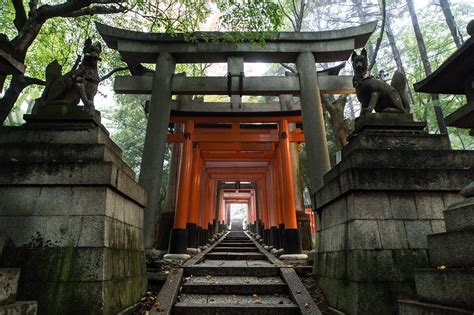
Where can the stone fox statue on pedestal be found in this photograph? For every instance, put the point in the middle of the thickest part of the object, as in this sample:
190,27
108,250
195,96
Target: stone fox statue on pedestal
374,94
76,85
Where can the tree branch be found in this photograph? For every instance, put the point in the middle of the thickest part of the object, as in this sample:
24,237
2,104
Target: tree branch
379,40
291,69
108,75
95,10
33,81
33,4
287,15
74,8
20,14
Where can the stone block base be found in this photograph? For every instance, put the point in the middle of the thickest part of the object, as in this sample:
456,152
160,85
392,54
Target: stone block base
453,287
422,308
73,216
8,284
19,308
352,297
377,207
453,249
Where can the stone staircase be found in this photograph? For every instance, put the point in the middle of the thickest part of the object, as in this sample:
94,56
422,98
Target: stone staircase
9,278
448,287
237,278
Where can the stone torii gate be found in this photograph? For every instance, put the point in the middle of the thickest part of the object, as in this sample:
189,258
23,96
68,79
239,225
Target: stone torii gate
165,50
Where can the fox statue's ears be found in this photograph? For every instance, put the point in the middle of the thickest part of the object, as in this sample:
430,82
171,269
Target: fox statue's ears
354,54
362,53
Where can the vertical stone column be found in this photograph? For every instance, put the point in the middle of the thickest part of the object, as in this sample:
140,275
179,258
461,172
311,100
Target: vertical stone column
313,120
193,214
166,217
155,142
235,65
179,234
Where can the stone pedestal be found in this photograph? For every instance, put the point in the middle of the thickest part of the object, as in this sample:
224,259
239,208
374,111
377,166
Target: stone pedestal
378,205
73,216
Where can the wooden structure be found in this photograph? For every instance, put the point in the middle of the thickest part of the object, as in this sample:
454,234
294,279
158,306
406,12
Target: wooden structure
218,147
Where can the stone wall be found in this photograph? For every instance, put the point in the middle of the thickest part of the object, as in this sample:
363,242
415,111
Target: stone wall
376,208
73,215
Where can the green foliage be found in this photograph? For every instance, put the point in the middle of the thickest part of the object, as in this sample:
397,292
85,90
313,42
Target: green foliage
128,124
250,19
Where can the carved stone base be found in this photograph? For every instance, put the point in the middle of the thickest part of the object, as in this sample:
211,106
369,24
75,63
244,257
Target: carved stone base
58,115
378,205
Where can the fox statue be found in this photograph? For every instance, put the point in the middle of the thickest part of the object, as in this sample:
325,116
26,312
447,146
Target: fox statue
375,94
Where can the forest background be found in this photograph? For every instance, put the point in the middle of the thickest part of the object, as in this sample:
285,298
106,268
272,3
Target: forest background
418,36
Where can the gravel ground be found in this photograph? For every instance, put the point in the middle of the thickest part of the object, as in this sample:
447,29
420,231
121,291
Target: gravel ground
316,293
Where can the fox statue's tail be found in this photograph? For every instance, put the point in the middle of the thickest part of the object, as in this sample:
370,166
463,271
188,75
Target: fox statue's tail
399,83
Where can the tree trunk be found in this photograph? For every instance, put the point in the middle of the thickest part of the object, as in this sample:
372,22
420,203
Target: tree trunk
457,37
359,6
426,63
12,93
393,45
395,51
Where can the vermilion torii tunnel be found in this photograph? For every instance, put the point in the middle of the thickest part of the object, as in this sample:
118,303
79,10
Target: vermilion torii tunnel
238,148
222,143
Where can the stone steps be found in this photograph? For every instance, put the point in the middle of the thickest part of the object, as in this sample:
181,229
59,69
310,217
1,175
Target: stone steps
234,285
234,256
233,271
452,249
414,307
236,278
225,244
9,278
235,249
453,287
459,216
20,308
235,304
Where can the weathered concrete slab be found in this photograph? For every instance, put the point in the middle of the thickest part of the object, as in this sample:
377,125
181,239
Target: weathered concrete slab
168,293
218,85
235,249
20,308
454,287
299,293
234,288
60,173
8,284
262,271
258,309
453,249
47,152
413,307
235,256
460,215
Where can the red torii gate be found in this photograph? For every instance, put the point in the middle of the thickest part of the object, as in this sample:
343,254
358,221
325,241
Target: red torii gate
228,148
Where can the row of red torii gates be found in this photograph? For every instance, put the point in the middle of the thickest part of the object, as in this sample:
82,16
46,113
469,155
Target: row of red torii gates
222,149
221,146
